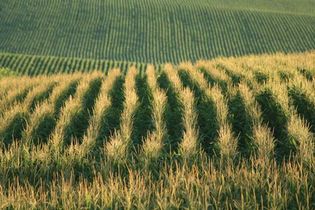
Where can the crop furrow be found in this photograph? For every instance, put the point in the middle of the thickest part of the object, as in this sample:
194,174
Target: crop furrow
43,120
70,127
64,96
307,73
189,145
303,99
173,114
92,138
207,120
214,76
292,134
118,147
14,96
12,125
236,77
143,123
242,123
15,119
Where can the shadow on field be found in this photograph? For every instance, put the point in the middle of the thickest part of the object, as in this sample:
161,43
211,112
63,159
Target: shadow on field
43,130
41,97
285,76
242,125
207,116
307,74
47,123
80,122
15,129
111,119
19,98
304,106
212,81
261,77
60,102
143,122
277,120
173,115
236,78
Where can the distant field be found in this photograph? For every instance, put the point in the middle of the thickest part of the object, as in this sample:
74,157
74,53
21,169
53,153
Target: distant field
22,64
229,133
155,31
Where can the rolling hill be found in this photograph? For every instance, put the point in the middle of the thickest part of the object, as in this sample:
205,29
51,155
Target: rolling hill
155,32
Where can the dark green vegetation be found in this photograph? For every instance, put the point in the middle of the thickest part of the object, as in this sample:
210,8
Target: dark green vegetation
151,31
173,114
304,105
277,119
21,64
14,129
143,122
241,124
207,121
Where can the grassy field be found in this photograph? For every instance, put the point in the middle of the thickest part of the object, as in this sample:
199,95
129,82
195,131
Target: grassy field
229,133
155,31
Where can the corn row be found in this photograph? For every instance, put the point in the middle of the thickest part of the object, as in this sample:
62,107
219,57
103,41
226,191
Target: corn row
154,143
119,144
189,145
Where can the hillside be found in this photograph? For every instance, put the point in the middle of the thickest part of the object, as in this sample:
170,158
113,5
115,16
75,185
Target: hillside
228,133
156,32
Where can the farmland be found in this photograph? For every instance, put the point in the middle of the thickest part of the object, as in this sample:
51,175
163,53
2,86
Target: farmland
228,133
157,104
33,65
148,31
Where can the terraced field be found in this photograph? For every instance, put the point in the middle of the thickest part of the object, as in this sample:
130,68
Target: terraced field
155,31
229,133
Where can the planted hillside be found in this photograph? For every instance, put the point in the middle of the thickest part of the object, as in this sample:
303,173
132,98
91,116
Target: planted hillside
154,31
229,133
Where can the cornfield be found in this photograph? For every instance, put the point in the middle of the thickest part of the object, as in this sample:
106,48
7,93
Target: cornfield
229,133
155,31
34,65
